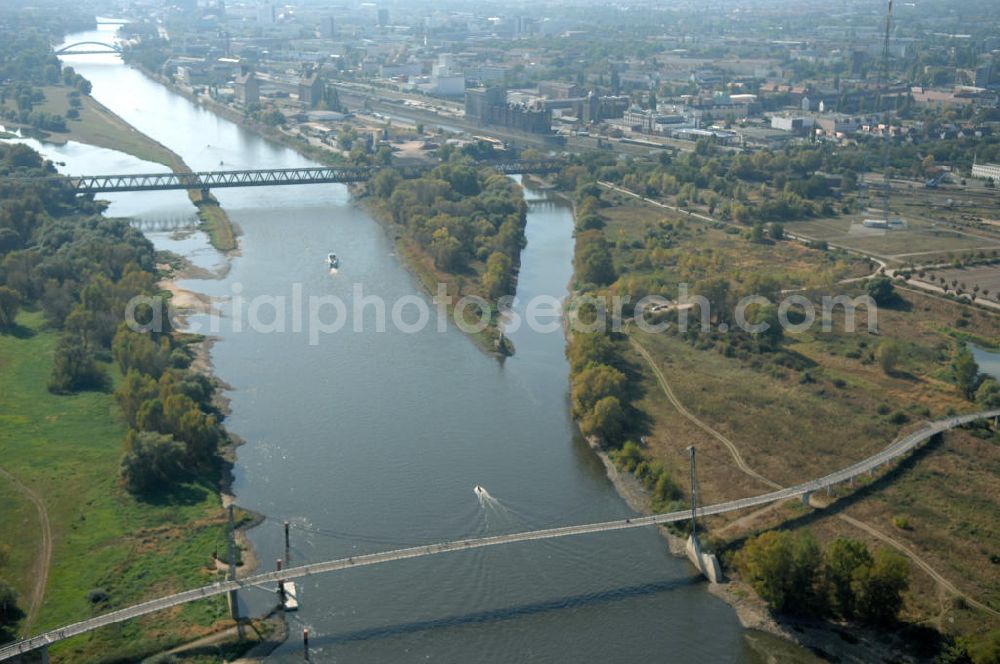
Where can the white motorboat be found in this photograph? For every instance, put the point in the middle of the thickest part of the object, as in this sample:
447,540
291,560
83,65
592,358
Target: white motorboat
332,260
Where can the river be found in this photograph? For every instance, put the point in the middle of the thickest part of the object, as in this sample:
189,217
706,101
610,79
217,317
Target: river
373,440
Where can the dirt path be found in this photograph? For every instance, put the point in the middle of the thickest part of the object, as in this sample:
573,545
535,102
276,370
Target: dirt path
730,445
44,558
944,583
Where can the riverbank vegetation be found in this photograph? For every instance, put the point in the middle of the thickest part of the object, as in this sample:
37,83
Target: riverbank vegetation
53,103
779,407
460,225
108,426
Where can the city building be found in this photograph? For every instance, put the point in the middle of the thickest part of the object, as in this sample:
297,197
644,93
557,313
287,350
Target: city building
265,12
986,171
311,89
246,88
489,107
560,90
327,28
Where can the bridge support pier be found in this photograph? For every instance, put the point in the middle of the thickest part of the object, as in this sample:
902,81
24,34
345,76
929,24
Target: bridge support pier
44,651
805,498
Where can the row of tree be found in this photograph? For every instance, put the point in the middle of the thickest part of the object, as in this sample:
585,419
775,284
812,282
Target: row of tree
85,272
794,575
469,218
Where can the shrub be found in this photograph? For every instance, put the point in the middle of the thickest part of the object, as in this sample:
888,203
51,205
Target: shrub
75,368
151,461
10,613
97,595
783,568
10,304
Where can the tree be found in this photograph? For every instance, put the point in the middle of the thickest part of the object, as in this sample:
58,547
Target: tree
606,420
134,350
757,233
783,569
135,389
385,182
446,249
151,461
767,317
966,372
593,259
878,588
594,383
10,304
590,348
881,290
840,562
75,368
988,394
985,649
497,278
887,355
777,231
9,611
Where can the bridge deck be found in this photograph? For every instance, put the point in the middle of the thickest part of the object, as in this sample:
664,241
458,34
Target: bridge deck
893,451
270,177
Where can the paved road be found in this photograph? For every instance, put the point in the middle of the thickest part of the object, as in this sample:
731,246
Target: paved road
893,451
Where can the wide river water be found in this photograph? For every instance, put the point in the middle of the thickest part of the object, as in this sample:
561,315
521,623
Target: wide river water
374,440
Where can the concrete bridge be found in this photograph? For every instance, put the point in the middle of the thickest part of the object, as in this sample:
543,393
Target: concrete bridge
272,177
893,451
94,48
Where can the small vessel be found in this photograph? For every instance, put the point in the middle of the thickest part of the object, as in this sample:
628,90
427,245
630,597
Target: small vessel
332,260
479,490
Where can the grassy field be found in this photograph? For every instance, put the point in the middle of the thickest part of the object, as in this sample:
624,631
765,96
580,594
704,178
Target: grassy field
701,245
920,242
819,404
99,126
67,449
986,277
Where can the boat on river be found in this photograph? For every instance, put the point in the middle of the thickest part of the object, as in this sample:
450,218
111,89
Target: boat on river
332,260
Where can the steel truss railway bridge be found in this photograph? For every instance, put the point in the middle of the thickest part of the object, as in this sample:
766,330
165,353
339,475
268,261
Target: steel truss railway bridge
895,450
271,177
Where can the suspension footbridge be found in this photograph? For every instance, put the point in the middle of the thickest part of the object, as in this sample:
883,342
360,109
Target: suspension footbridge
893,451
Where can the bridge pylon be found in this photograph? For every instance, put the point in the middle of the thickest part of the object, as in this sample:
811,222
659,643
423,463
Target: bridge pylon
234,603
706,563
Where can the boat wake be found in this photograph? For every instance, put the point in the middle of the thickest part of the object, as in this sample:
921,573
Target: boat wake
490,505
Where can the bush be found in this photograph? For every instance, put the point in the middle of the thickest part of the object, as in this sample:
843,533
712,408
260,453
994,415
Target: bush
628,457
887,355
879,588
10,613
98,595
10,304
783,568
152,461
75,368
881,290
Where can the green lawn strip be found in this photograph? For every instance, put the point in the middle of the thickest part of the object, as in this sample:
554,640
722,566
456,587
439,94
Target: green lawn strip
67,448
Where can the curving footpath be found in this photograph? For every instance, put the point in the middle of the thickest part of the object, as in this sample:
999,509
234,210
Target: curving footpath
44,559
893,451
